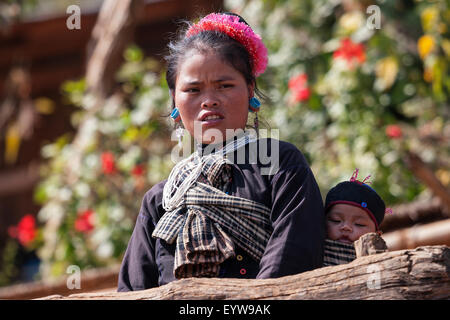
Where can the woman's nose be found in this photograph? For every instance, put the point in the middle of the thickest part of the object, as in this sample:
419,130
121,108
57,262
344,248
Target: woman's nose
209,104
210,101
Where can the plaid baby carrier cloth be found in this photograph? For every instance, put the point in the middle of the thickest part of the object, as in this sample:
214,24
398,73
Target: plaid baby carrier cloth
336,252
206,222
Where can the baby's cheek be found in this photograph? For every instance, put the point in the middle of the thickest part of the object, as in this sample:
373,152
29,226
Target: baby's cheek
332,232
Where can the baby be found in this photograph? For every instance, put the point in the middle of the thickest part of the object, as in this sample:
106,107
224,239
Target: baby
352,209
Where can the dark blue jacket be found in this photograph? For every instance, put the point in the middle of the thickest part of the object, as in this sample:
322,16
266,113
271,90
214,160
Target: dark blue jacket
297,219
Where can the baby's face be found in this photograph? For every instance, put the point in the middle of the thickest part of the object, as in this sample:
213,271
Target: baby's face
346,223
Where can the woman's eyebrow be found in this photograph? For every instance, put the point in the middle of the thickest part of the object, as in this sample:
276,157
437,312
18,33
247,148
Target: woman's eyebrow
224,78
192,83
220,79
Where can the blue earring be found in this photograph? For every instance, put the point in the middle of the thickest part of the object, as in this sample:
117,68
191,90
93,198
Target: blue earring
254,104
175,115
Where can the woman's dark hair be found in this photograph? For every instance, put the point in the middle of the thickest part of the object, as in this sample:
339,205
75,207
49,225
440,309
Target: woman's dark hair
230,50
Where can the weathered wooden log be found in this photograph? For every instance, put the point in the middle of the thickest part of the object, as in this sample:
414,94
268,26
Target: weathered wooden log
421,170
368,244
422,273
436,233
90,281
419,211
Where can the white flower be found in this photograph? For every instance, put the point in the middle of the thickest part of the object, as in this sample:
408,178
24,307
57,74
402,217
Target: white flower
105,250
52,210
49,150
145,107
389,158
112,107
117,213
100,235
110,126
64,194
149,80
82,189
87,131
336,109
88,101
127,160
92,161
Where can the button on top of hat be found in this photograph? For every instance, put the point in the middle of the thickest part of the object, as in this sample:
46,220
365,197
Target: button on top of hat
243,271
363,204
239,257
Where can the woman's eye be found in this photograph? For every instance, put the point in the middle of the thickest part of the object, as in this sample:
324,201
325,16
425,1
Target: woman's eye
225,85
191,90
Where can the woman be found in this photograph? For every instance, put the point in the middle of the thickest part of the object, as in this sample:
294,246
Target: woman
216,217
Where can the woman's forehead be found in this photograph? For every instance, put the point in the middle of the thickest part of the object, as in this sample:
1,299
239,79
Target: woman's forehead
209,64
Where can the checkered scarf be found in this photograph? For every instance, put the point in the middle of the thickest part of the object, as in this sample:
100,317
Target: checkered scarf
336,252
209,222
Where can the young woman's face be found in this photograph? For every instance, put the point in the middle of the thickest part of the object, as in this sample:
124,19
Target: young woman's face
346,223
211,96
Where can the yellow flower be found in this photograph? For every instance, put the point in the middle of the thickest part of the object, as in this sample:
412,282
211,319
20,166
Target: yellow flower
44,105
425,45
386,70
12,143
446,47
429,18
351,21
443,176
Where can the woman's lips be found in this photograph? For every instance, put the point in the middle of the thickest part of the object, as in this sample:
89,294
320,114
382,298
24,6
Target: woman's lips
211,114
217,118
211,122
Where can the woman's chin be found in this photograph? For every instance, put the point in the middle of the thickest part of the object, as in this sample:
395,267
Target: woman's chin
218,135
212,137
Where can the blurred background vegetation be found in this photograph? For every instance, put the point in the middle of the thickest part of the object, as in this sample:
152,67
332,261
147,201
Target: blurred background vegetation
351,87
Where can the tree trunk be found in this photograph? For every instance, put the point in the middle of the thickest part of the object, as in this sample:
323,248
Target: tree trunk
420,211
423,273
112,33
436,233
427,176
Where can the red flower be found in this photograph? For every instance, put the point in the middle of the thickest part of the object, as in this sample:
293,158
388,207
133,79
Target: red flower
299,87
84,221
138,170
108,165
352,52
393,131
25,231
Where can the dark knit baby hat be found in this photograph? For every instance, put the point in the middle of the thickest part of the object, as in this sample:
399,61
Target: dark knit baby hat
358,194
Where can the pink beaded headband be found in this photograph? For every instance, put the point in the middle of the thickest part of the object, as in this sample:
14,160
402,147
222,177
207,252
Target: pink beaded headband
239,31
